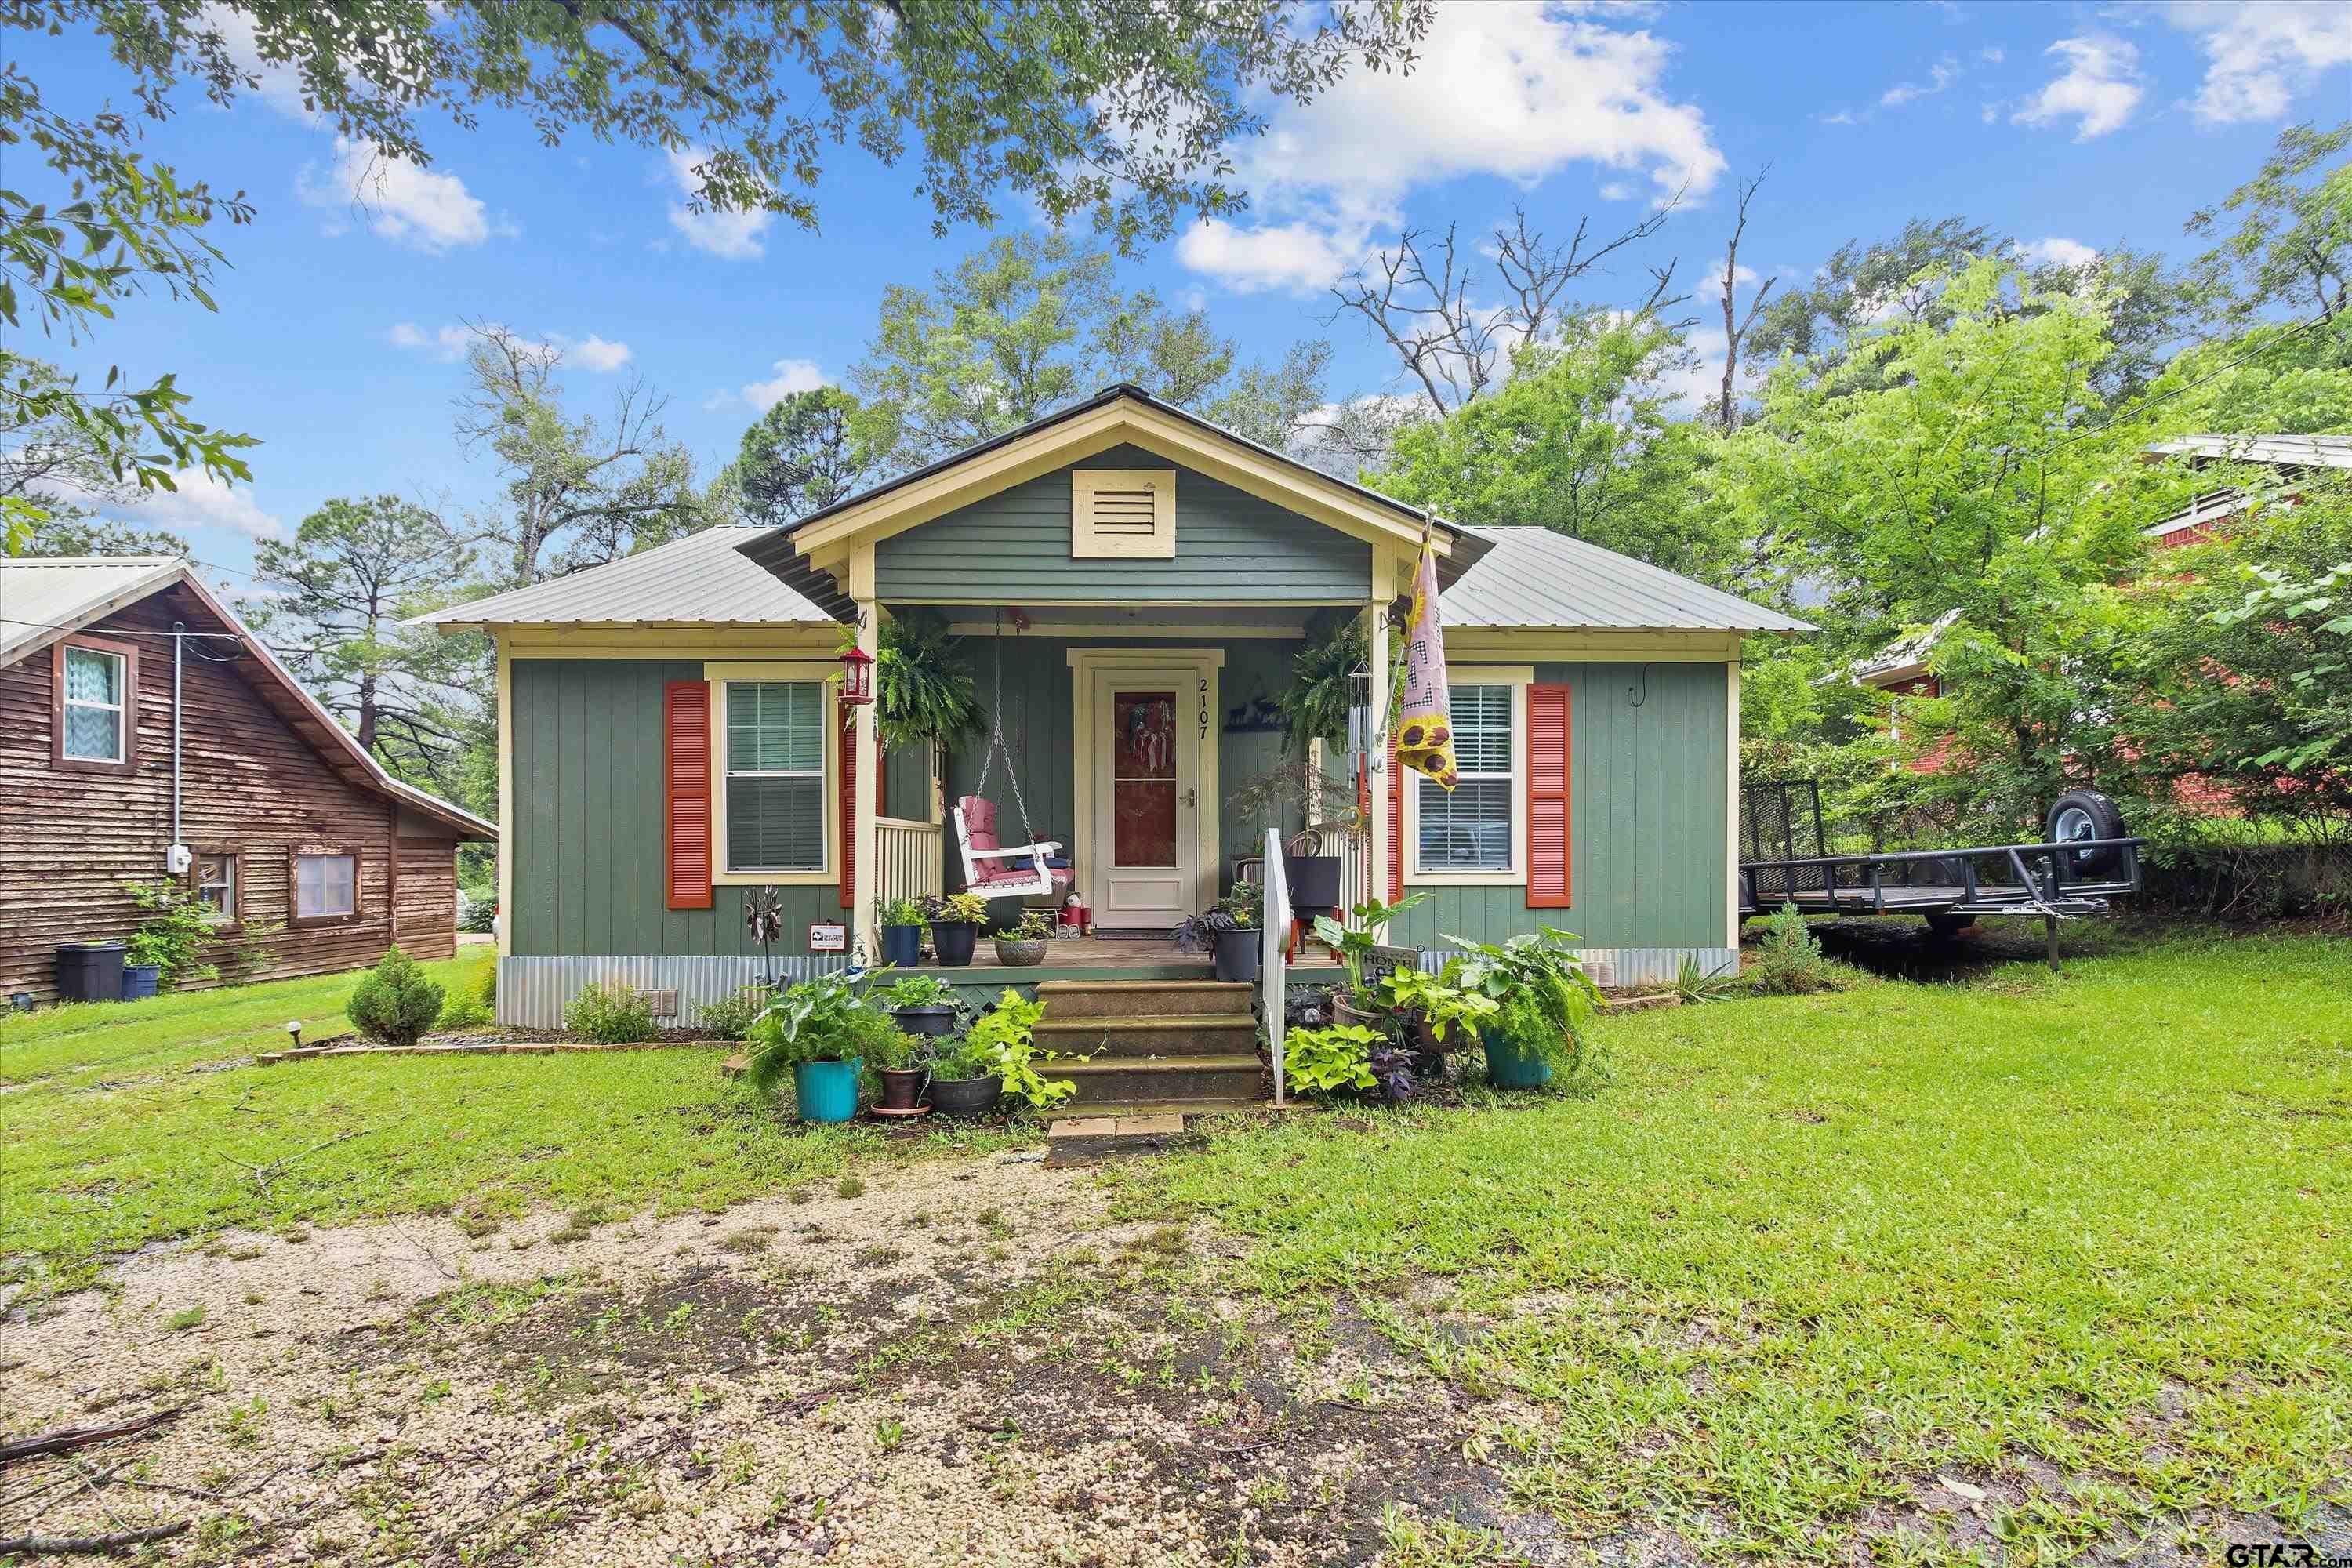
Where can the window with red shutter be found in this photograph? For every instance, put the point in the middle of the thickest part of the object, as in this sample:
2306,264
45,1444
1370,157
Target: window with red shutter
1548,797
686,744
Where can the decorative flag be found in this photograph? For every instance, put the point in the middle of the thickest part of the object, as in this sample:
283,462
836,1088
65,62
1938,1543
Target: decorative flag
1424,734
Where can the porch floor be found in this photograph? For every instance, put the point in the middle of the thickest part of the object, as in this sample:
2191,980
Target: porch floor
1107,958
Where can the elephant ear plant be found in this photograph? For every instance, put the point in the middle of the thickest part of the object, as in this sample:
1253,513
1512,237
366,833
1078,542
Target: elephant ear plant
1546,1002
822,1019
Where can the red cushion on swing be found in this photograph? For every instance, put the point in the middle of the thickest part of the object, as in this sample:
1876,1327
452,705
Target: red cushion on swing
979,822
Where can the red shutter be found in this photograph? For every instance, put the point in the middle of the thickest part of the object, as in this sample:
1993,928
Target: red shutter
848,717
686,744
1548,805
1396,823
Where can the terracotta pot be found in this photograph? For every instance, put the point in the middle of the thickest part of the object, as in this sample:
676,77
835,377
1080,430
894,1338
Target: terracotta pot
1344,1011
902,1088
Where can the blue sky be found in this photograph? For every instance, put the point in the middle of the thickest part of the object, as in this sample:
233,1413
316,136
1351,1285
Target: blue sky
2072,127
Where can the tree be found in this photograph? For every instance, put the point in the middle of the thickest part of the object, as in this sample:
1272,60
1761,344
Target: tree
1030,324
2293,245
1736,326
1584,439
800,457
353,571
590,491
1427,300
56,475
1863,285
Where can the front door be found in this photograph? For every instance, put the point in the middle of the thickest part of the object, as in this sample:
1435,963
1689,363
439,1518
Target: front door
1146,795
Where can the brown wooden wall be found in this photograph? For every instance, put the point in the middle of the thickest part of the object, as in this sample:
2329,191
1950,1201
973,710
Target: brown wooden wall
249,783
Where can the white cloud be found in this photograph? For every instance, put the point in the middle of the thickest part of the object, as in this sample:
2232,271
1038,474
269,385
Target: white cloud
2099,89
279,84
200,501
591,353
404,203
1940,75
733,236
2058,251
1616,191
443,343
792,375
448,344
1518,91
1992,55
2260,55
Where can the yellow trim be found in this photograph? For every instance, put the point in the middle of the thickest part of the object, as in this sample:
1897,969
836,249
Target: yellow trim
701,640
1115,424
719,675
1206,664
1141,629
505,923
1731,815
1516,677
1597,646
1087,544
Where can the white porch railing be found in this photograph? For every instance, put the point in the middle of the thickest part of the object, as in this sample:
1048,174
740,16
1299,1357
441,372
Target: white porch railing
907,859
1274,945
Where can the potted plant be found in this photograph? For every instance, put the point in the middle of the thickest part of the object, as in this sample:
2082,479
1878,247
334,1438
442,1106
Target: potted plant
922,1004
1231,929
1544,1002
1353,944
1431,1011
901,921
955,922
144,953
1007,1033
897,1058
822,1029
964,1077
1024,944
1293,788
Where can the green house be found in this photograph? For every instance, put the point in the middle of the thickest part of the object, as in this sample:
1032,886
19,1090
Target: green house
1131,586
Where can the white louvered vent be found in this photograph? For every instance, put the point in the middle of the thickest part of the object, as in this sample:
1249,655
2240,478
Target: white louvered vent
1123,512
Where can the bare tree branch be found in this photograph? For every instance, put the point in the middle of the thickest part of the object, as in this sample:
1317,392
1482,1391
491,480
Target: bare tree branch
1727,409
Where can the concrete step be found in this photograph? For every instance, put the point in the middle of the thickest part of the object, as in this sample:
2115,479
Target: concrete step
1066,999
1145,1080
1151,1035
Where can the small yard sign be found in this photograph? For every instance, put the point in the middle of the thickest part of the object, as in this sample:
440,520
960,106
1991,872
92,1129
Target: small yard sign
828,936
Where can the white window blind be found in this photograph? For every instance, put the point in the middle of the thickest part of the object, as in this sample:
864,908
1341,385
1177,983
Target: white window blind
1470,829
775,775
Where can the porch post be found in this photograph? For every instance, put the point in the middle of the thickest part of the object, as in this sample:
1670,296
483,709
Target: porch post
1376,649
865,837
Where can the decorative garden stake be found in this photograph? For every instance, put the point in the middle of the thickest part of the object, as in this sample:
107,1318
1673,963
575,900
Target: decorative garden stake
763,917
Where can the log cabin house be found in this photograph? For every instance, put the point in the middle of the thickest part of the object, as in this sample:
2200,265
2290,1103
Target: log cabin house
145,734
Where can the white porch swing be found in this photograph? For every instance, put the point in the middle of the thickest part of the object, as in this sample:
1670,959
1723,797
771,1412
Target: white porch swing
991,869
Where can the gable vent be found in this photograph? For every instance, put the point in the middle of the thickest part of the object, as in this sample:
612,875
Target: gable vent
1118,513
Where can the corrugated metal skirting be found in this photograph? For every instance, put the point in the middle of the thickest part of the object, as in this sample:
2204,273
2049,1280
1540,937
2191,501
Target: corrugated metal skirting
533,992
1626,966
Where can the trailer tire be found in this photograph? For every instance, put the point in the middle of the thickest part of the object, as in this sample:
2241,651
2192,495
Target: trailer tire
1948,925
2086,814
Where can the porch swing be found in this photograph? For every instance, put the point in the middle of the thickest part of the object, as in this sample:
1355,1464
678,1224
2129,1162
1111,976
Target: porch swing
993,869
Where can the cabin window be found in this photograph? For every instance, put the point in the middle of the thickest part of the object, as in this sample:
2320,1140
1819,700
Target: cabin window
1470,829
215,879
1123,513
326,887
776,805
97,714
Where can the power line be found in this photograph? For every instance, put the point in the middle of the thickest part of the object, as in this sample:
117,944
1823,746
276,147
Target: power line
2137,410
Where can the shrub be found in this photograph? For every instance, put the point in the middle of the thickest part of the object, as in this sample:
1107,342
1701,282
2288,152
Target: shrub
462,1011
1325,1060
395,1003
177,926
957,908
612,1012
731,1017
478,915
1003,1038
1789,958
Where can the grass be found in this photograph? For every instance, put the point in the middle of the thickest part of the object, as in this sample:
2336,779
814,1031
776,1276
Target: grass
2083,1242
126,1126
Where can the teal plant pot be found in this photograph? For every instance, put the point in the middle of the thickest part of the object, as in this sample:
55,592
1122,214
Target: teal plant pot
1507,1066
826,1092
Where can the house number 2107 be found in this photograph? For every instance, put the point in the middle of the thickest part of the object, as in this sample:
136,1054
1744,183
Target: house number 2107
1201,705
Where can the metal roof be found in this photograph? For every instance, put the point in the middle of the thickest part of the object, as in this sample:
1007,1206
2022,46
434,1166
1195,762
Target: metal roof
1533,579
43,599
699,579
2288,451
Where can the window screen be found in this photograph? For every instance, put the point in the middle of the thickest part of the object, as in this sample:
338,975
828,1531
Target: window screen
1470,829
775,775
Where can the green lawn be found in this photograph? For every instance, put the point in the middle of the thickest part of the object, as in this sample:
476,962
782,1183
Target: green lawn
118,1126
1801,1257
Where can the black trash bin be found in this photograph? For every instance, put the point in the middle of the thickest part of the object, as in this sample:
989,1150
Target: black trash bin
90,971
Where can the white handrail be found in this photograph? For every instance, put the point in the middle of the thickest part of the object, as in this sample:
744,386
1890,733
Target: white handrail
1273,938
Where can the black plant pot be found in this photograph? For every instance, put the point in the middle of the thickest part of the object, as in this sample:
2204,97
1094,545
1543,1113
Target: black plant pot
902,946
966,1096
930,1023
1314,882
954,941
1237,953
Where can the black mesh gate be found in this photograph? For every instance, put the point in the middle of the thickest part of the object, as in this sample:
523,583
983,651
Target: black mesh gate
1780,819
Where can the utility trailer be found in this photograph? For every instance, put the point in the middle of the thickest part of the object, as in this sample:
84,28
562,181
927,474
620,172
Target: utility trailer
2085,863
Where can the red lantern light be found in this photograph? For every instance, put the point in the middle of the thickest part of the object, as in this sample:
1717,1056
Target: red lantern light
856,675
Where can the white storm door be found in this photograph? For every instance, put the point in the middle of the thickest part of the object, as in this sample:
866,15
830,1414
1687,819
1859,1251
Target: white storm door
1147,798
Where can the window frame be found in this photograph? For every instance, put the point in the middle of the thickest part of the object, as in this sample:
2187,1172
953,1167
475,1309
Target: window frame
128,652
234,919
295,855
826,676
1517,678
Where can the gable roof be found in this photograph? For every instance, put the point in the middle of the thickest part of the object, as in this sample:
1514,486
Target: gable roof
42,600
699,580
1533,579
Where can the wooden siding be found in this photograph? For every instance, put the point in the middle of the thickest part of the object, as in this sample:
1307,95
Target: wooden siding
249,784
1231,548
587,838
1649,783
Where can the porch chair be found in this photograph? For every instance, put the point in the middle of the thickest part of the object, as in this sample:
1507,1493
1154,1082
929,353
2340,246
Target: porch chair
994,871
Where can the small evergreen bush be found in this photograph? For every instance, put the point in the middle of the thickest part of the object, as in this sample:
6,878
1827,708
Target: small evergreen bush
611,1012
395,1003
731,1017
1788,960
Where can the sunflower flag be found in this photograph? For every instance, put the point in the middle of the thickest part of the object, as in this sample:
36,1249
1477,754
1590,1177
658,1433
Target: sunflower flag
1424,734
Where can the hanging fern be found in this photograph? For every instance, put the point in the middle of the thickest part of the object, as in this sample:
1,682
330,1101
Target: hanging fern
1324,688
923,694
